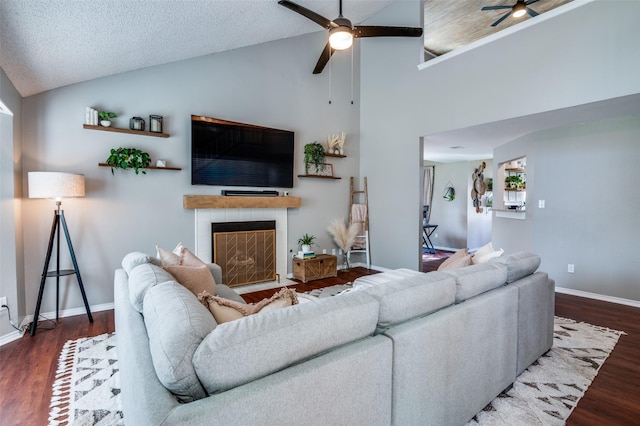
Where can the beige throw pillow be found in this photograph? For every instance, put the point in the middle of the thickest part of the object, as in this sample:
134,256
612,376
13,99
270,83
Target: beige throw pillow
187,269
225,310
196,278
459,259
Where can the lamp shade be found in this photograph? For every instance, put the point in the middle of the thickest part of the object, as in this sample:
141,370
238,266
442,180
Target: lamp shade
55,185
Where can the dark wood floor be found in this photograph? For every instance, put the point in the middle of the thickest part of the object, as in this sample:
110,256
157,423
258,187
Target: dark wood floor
28,365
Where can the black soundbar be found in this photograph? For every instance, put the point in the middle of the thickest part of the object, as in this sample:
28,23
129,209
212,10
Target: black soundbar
235,192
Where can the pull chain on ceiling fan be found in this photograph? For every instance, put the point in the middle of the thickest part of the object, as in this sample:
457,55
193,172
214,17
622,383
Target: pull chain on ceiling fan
342,32
517,10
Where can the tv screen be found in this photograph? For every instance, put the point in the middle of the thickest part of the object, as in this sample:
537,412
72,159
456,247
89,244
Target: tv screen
234,154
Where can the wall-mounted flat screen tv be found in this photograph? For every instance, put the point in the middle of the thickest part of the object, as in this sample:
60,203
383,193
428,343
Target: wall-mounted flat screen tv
226,153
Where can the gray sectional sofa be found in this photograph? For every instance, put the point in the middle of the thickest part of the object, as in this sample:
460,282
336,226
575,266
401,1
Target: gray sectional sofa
401,348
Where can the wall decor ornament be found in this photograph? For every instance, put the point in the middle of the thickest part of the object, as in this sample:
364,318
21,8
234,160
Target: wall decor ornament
136,123
479,187
335,143
449,192
155,123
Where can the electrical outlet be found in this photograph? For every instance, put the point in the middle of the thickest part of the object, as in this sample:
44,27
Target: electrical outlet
570,268
435,235
541,204
3,301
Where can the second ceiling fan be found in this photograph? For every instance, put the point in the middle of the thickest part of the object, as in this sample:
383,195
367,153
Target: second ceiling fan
519,9
342,32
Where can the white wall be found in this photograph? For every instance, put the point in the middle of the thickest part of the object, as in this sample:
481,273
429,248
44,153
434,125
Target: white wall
269,84
11,261
459,226
586,174
562,62
450,216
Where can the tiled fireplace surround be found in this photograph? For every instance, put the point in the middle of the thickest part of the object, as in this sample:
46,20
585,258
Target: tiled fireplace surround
210,209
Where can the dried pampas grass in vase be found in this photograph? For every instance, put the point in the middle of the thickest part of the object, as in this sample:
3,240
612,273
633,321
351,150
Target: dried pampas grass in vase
344,235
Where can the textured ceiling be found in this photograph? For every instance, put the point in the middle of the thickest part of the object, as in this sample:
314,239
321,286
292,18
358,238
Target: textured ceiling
46,44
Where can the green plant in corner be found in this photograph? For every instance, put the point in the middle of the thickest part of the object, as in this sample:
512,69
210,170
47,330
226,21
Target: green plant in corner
128,158
313,154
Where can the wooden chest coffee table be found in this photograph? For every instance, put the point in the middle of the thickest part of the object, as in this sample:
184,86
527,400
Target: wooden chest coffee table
321,266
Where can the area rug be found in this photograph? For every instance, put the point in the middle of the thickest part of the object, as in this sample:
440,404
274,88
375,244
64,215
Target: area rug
86,390
87,386
329,291
547,392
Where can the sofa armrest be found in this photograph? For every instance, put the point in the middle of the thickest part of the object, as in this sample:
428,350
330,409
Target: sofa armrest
138,376
216,271
228,293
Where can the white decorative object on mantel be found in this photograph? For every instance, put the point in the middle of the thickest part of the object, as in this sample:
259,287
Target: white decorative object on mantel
336,143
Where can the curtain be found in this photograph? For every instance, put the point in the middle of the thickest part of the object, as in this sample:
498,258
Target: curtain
428,174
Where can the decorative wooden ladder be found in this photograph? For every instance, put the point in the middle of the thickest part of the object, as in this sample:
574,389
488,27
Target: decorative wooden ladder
364,198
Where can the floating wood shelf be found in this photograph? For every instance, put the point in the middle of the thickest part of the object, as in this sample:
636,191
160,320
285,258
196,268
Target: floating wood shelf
328,154
148,167
319,177
238,202
129,131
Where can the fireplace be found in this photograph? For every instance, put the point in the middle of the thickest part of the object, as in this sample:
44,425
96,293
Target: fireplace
246,251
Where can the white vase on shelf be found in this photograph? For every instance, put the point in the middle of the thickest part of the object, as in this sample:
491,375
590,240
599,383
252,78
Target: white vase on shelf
105,123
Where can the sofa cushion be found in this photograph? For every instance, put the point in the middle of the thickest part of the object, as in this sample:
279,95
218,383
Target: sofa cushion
176,324
518,265
412,296
376,279
241,351
141,279
477,279
484,254
459,259
134,259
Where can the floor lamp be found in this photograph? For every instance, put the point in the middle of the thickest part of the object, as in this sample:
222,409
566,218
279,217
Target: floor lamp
57,185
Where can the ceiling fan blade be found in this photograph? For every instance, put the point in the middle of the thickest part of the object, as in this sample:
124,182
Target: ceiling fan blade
532,12
530,2
375,31
324,58
501,19
310,14
496,7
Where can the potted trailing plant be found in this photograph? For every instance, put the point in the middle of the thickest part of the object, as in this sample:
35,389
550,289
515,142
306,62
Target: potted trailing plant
304,243
514,182
313,154
128,158
105,118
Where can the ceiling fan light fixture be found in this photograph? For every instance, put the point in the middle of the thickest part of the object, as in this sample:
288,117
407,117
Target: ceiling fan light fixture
340,38
519,9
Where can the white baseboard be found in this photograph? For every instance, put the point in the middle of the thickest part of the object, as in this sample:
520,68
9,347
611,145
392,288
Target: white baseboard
15,335
602,297
8,338
68,312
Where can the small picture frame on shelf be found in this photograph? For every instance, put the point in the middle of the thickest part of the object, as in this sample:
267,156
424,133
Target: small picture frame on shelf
322,170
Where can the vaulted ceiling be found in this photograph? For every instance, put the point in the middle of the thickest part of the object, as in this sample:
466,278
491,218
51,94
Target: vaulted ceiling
46,44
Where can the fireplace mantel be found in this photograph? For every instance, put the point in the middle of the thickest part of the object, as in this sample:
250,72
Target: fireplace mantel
229,202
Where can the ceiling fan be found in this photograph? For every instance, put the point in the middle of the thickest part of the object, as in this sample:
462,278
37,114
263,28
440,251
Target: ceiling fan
517,10
342,32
